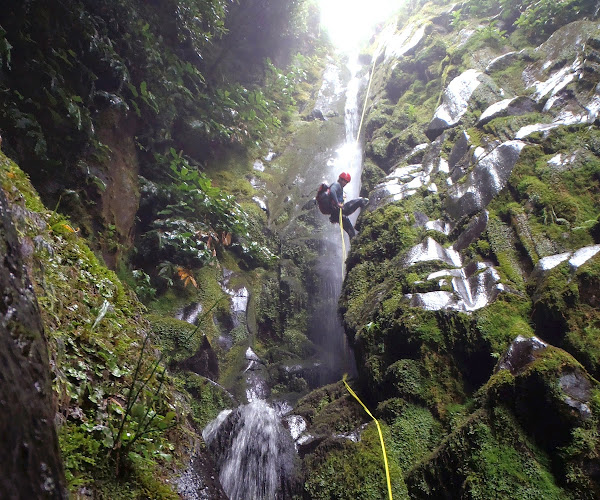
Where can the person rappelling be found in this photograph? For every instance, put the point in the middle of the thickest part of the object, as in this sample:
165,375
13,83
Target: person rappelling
330,200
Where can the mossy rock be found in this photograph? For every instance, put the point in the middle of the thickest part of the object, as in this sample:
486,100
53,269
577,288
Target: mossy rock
175,336
371,176
566,311
555,402
208,399
414,431
355,471
489,456
329,410
399,81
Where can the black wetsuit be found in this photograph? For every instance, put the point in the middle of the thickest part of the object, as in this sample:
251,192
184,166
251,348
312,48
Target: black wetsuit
337,196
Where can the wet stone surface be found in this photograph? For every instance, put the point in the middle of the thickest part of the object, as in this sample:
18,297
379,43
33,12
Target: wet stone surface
520,354
486,180
578,391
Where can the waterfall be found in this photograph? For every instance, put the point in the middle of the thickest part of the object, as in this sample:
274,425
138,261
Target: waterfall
325,327
255,454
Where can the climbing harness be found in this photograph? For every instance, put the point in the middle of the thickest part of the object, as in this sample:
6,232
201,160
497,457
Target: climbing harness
385,460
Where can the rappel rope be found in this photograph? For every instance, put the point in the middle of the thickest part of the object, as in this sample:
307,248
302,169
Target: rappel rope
343,244
362,117
385,460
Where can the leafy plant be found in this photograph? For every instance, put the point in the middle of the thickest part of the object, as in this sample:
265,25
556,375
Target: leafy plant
492,34
198,220
457,22
145,95
5,48
139,416
143,288
543,16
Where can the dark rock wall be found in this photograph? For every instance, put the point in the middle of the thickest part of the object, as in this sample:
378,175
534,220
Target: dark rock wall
29,457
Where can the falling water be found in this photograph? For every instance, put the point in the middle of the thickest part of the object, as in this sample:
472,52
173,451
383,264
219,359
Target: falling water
325,326
255,453
257,456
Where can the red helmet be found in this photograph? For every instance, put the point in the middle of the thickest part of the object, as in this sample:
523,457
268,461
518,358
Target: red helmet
345,176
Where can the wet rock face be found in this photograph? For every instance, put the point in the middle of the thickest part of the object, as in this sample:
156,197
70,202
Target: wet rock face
119,200
550,400
204,362
199,481
577,391
455,103
457,97
483,242
485,181
520,354
29,457
514,106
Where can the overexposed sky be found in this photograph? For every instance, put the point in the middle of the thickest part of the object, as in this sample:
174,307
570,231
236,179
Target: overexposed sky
351,22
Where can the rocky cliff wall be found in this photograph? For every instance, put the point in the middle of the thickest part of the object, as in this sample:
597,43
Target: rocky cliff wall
471,293
30,456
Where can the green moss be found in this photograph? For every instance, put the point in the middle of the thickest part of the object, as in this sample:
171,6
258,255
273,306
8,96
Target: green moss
415,433
445,386
501,470
371,176
496,458
209,294
177,338
16,183
79,450
565,312
503,320
501,236
355,471
511,79
565,214
234,363
95,329
387,232
296,341
207,400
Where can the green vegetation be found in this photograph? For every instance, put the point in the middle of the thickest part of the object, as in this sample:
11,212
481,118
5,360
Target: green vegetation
160,75
355,470
187,95
198,220
108,383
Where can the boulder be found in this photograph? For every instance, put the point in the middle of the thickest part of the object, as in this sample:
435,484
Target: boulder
520,354
455,102
514,106
204,362
487,178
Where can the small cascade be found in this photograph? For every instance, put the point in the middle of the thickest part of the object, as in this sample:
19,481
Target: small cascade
256,454
190,314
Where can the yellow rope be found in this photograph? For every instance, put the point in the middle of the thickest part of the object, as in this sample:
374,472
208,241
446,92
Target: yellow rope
343,243
385,460
362,117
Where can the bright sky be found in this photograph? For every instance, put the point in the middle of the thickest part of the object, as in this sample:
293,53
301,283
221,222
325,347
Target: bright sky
351,22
